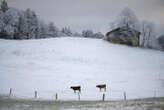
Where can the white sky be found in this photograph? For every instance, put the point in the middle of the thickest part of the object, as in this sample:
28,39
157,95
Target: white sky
91,14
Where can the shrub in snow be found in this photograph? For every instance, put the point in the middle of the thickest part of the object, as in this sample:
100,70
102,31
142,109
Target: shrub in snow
76,34
98,35
91,34
87,33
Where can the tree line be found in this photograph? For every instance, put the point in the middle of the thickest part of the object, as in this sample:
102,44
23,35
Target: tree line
19,24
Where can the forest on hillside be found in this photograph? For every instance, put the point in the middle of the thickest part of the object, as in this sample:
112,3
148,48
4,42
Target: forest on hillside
19,24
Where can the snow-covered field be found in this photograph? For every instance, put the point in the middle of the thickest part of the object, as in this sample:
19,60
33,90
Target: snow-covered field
53,65
141,104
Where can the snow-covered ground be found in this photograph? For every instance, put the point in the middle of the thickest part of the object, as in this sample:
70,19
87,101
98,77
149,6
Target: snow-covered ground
142,104
53,65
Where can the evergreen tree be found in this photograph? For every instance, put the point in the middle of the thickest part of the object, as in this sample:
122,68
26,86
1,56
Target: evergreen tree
67,31
88,33
1,24
22,27
32,24
42,30
4,6
53,30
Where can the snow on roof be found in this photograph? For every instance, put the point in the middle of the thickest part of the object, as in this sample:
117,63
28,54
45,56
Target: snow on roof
123,30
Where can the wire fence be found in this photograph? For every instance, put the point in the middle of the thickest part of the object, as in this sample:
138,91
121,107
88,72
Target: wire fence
111,94
116,91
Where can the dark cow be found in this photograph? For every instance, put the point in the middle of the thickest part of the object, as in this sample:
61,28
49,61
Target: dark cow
102,86
76,88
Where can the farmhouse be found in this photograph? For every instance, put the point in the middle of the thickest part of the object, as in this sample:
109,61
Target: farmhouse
124,35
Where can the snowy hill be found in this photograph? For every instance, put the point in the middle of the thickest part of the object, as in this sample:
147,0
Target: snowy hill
53,65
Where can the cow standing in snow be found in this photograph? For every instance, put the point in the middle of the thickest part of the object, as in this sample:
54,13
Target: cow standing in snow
76,88
102,86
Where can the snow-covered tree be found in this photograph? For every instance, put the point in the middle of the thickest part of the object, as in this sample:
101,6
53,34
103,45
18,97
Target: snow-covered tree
42,30
32,24
66,31
53,30
76,34
147,34
4,6
10,31
1,23
91,34
22,27
126,18
98,35
11,19
16,24
88,33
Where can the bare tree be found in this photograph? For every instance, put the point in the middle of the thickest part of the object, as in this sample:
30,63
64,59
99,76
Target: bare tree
147,33
126,18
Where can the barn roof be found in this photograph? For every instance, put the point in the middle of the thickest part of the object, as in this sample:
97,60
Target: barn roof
124,29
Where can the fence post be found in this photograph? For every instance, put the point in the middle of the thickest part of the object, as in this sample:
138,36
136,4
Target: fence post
78,96
35,94
103,97
56,96
10,93
154,94
125,96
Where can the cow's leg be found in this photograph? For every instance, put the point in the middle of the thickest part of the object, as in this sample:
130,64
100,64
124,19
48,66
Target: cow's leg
100,89
74,91
105,89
